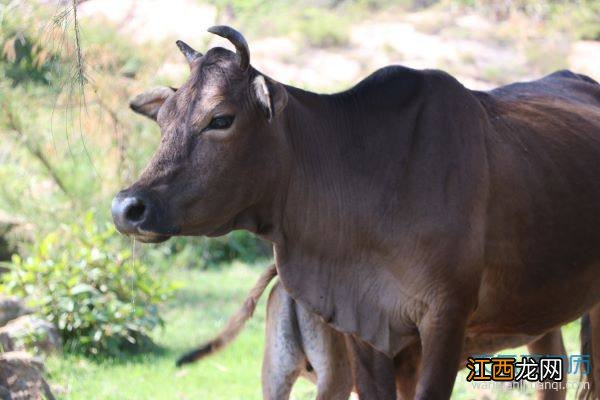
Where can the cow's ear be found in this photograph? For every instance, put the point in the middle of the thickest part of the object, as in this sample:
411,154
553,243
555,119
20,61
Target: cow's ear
271,96
149,102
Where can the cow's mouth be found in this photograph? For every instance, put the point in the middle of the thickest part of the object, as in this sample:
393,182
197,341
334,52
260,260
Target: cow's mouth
154,235
142,217
151,238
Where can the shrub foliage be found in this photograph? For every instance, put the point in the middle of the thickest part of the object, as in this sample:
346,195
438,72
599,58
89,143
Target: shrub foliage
100,298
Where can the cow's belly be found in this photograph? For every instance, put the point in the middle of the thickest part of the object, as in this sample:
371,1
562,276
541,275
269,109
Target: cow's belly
492,343
514,302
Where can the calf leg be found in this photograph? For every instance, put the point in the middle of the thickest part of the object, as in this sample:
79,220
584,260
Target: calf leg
407,371
551,344
373,371
327,353
283,360
278,378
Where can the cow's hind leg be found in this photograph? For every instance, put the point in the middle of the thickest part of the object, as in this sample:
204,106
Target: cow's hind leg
551,344
595,326
590,345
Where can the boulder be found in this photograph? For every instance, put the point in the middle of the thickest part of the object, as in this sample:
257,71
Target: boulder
11,308
4,394
21,377
29,332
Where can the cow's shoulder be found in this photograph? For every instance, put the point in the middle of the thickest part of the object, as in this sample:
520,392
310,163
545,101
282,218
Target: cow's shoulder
399,77
399,85
390,75
393,84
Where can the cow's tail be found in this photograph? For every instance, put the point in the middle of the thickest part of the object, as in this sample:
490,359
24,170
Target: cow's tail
586,392
235,323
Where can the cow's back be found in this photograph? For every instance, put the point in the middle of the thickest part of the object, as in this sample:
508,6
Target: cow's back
544,205
564,85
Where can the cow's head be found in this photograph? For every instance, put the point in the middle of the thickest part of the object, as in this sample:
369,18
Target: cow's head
218,157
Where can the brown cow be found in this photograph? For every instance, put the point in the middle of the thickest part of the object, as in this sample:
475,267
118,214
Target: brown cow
298,343
405,208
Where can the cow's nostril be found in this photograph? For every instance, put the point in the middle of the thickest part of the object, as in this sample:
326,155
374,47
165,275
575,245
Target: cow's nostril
135,211
129,212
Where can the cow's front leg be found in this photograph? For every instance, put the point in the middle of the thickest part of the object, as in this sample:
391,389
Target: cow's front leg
373,371
442,339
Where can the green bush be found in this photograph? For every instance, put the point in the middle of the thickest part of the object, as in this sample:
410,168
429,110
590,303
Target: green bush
101,299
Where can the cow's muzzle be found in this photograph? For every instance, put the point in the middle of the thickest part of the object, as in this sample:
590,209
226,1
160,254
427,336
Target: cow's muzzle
138,216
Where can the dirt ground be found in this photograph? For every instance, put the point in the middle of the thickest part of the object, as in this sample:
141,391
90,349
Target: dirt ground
475,49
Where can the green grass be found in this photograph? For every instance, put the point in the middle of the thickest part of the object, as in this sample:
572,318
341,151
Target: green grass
201,307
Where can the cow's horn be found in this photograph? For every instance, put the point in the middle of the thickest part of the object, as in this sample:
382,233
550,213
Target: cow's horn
187,51
241,46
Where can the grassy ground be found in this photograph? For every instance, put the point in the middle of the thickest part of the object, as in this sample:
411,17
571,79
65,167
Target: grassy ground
199,310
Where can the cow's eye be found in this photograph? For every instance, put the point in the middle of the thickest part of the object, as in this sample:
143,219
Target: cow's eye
220,122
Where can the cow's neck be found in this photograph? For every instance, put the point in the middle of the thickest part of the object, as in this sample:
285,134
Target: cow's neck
323,137
364,163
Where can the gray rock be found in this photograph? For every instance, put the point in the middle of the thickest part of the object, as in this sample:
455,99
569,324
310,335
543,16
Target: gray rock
11,308
21,376
29,332
5,394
